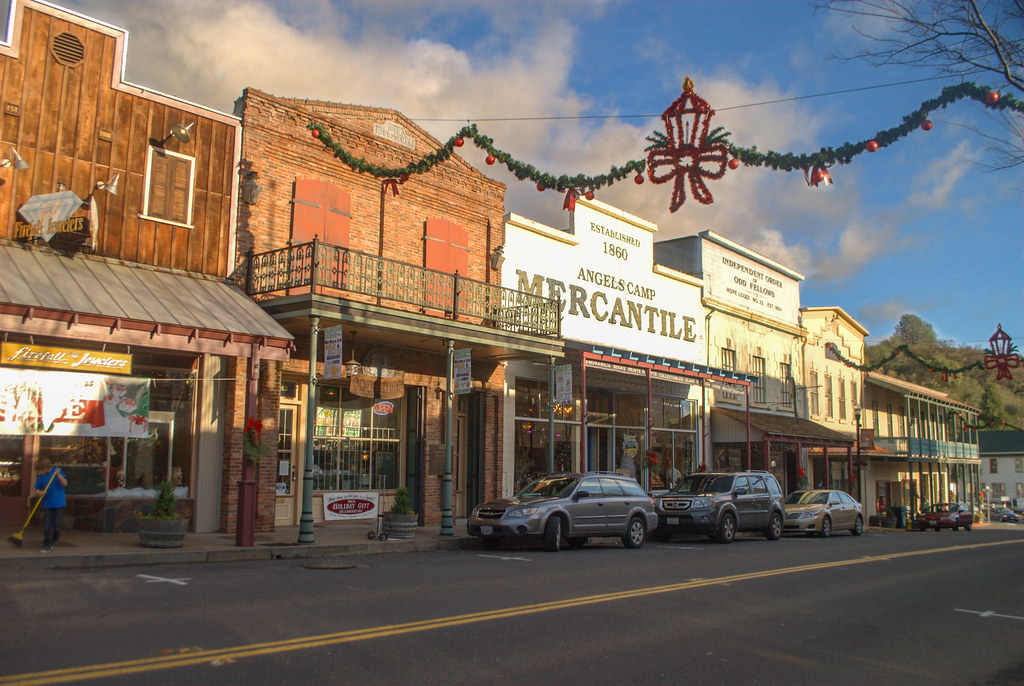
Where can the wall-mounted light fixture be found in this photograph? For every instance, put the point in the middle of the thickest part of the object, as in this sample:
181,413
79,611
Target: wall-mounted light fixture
14,160
110,186
182,133
249,188
497,257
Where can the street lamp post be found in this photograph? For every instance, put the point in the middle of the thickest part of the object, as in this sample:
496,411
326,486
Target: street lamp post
860,488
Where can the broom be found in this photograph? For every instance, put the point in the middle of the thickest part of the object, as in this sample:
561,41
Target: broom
17,539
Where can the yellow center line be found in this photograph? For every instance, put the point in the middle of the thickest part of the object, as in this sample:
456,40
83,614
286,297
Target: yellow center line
111,669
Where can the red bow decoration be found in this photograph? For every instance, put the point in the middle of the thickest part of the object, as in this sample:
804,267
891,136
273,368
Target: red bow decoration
652,456
685,151
1002,354
393,183
253,424
570,199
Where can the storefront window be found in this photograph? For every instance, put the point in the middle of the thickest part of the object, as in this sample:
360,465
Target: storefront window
356,445
532,449
11,461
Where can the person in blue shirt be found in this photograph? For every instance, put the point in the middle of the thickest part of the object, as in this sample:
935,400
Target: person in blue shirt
54,500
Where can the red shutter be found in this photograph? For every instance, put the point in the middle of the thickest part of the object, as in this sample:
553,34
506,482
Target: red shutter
321,209
446,247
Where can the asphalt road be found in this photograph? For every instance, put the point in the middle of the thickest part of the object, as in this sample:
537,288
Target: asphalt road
884,608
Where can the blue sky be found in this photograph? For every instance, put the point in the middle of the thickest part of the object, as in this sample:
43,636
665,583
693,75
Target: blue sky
919,227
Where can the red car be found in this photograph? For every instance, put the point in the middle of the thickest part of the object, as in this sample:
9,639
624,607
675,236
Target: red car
946,515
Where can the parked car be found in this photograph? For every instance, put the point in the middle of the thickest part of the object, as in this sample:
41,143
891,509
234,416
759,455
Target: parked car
823,511
568,509
720,504
946,515
999,513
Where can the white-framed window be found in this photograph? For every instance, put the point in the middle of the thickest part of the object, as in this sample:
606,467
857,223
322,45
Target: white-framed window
786,372
170,181
759,384
815,410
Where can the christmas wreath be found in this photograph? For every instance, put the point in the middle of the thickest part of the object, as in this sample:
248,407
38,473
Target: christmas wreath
252,445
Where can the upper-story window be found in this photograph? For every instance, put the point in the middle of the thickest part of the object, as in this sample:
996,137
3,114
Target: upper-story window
323,210
842,399
759,383
828,396
815,410
446,247
786,373
728,364
170,179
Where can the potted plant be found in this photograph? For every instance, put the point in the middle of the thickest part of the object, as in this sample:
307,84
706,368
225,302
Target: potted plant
400,522
162,527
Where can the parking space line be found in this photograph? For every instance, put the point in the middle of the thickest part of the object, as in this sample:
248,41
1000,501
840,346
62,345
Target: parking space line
506,557
988,613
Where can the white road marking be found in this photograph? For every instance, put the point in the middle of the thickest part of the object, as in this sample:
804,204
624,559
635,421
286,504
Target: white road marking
988,613
506,557
159,579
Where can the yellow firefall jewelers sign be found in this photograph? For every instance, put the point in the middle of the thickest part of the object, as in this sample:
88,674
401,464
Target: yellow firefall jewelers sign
68,359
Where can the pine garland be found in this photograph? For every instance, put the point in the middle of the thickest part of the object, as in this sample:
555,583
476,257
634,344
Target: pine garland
904,349
780,161
981,426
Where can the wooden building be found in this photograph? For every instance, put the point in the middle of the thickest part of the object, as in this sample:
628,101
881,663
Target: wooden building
117,241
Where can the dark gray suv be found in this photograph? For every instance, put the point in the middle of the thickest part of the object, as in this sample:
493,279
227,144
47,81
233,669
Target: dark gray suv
568,508
720,504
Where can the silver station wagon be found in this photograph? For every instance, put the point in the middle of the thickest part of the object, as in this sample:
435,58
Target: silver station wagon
568,508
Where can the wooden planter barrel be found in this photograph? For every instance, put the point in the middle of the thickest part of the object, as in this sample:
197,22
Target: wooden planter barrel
162,533
399,527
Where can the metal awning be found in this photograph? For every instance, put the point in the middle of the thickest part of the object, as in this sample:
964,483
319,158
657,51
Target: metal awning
43,293
777,427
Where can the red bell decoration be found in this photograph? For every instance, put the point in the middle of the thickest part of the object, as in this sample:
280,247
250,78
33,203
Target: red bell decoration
992,97
489,159
817,174
459,142
871,146
926,125
734,163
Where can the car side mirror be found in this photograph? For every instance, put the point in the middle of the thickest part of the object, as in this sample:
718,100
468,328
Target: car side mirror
582,494
740,491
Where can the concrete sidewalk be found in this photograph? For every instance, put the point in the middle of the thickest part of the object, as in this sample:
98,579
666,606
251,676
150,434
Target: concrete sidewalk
80,549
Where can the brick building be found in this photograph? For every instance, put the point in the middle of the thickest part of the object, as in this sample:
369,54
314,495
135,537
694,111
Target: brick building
391,276
128,355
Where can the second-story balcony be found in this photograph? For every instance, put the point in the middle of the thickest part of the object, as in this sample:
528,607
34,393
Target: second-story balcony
317,267
921,448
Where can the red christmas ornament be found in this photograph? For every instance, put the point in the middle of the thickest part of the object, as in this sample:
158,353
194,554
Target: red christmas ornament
638,179
540,188
459,142
926,125
316,133
734,163
687,156
871,146
404,178
489,159
589,195
1002,354
992,97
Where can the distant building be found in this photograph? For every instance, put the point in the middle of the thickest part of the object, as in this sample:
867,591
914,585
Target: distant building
1002,466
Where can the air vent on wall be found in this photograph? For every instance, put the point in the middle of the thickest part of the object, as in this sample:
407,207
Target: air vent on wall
67,49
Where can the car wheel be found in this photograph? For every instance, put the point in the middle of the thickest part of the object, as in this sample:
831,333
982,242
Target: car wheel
726,529
490,543
576,541
774,531
635,533
553,534
858,526
826,527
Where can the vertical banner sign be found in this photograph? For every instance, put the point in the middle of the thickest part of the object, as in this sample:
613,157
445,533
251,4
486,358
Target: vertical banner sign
333,359
563,384
462,371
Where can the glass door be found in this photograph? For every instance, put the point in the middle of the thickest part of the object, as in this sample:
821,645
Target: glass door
287,467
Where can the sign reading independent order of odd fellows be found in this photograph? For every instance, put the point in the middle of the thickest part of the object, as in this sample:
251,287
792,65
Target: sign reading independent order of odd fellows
603,271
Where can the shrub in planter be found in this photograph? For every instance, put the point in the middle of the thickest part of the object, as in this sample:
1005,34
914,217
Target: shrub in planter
400,522
161,527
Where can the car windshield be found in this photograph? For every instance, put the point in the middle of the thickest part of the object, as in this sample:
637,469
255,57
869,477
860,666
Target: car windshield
548,487
704,483
807,498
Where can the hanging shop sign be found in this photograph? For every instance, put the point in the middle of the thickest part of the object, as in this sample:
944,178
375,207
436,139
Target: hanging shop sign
462,371
72,404
57,218
334,363
65,358
377,377
603,273
361,505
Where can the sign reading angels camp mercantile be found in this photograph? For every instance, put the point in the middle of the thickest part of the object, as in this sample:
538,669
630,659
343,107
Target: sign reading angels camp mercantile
563,384
333,357
462,371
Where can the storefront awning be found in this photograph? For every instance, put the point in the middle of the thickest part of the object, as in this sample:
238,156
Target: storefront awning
776,427
90,298
655,363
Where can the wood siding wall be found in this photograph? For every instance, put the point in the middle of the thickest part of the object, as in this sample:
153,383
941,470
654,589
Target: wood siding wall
75,128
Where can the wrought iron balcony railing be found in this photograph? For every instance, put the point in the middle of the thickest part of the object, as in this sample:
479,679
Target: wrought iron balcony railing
321,267
911,448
